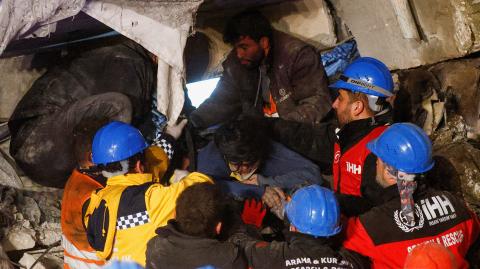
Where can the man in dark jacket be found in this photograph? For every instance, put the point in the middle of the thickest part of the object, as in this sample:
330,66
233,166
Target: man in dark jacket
190,241
111,81
314,217
362,114
410,216
268,73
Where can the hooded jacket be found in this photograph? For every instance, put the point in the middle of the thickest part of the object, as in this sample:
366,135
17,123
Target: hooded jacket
172,249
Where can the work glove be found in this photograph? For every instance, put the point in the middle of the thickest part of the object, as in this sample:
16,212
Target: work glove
176,130
253,212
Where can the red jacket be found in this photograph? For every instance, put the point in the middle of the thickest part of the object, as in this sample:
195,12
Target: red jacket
383,236
348,165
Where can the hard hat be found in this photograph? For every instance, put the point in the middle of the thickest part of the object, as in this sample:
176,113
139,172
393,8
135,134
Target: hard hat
116,141
366,75
314,210
405,147
430,256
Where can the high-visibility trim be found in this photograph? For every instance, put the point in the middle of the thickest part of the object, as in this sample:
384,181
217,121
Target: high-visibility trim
79,259
364,84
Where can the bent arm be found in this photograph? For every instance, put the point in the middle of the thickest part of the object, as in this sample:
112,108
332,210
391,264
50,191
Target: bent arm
308,79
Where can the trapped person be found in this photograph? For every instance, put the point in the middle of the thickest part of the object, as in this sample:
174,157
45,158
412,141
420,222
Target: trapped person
191,240
112,81
412,214
267,73
242,150
123,216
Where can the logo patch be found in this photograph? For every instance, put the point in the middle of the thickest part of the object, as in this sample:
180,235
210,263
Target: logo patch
337,157
403,224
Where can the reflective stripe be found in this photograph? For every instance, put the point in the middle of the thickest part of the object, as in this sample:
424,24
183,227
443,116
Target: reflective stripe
364,84
81,259
80,264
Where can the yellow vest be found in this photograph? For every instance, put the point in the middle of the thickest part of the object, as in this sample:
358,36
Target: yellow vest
127,238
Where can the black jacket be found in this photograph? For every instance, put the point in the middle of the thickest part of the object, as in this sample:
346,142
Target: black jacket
299,251
297,82
173,249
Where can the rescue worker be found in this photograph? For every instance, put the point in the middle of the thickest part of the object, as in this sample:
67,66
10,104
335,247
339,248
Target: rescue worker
114,81
314,217
191,240
362,114
412,213
87,178
84,180
123,216
267,73
242,150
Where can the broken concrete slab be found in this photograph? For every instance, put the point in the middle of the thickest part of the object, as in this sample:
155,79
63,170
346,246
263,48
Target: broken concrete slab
460,84
19,238
8,172
383,29
49,233
45,262
30,210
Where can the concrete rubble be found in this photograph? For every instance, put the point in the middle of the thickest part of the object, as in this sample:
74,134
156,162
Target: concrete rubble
30,223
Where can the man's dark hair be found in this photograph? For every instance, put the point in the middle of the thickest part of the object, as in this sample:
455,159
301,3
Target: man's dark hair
83,134
242,140
250,23
199,209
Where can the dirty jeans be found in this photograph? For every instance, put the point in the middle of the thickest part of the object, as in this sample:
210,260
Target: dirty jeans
43,146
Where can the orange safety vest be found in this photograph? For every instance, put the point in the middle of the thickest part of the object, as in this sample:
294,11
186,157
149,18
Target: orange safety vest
270,109
77,251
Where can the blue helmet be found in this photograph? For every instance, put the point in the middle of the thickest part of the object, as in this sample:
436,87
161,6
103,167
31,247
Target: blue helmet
116,141
314,210
404,146
366,75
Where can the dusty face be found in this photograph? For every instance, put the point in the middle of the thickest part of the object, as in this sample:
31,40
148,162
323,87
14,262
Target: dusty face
244,170
249,52
343,108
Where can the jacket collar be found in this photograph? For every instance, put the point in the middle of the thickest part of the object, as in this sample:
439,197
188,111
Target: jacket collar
129,180
354,131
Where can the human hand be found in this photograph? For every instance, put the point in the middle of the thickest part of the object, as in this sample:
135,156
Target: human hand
176,130
253,180
273,197
253,212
